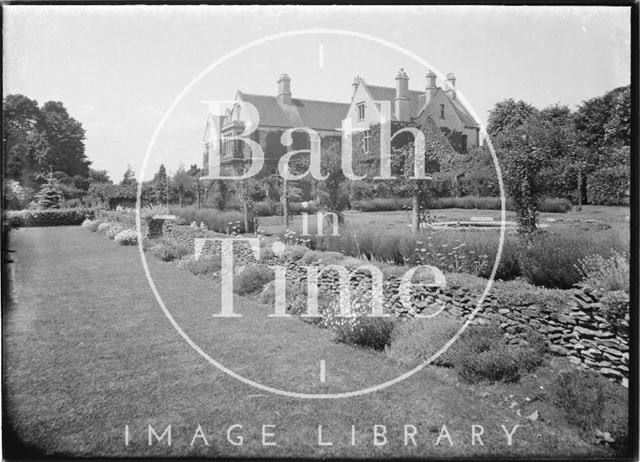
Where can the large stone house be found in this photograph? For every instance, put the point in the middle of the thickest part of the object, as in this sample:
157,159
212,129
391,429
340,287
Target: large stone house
276,115
282,112
408,107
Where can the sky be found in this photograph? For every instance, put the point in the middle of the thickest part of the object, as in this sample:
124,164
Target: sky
118,69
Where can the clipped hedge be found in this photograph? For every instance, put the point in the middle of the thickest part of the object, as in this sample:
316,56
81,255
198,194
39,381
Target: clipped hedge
49,217
549,205
609,186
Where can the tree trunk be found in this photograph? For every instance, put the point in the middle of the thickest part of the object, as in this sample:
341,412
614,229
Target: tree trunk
285,202
579,206
245,212
415,212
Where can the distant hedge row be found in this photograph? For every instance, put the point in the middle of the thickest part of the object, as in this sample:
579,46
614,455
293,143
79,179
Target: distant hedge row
609,186
50,217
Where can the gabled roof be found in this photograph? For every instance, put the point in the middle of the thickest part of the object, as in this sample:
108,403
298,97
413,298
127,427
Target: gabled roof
321,115
464,115
212,120
466,118
418,102
389,94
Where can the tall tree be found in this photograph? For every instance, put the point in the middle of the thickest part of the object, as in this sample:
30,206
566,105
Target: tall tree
24,142
605,121
65,136
183,184
508,115
160,185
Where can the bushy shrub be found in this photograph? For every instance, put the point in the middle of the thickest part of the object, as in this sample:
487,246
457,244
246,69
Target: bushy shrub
530,355
170,249
555,206
86,223
124,217
551,260
252,279
95,225
49,217
266,253
359,328
416,340
382,204
113,230
481,353
592,402
521,293
205,265
268,294
606,274
102,227
366,332
325,258
127,237
216,220
609,186
615,308
295,252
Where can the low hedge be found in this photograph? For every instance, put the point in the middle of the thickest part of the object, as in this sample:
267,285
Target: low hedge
549,205
49,217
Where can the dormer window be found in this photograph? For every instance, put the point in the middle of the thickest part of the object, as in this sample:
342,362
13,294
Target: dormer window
442,111
361,111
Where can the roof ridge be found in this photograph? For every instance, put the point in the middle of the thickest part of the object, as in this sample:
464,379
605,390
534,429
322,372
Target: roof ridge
295,98
393,88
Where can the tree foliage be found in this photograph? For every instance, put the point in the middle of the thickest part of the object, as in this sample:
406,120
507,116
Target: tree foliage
38,141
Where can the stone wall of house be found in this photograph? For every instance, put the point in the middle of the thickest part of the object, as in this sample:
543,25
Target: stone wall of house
576,331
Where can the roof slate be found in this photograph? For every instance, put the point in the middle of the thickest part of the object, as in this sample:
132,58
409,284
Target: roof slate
321,115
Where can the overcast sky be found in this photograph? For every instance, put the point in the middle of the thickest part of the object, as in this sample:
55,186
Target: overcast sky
119,68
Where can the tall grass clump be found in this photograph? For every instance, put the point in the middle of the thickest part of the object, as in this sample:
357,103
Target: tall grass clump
466,251
606,274
203,266
170,249
552,259
416,340
593,403
357,329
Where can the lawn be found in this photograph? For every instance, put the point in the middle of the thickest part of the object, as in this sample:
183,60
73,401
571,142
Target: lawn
87,350
616,217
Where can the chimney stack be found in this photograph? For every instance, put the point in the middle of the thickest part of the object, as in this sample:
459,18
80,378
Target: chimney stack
402,101
432,88
451,85
284,89
356,82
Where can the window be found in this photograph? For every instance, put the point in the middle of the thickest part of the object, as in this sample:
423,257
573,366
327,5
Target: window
465,146
361,111
273,171
442,111
366,140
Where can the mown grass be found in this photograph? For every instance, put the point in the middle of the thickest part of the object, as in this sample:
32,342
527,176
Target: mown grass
87,351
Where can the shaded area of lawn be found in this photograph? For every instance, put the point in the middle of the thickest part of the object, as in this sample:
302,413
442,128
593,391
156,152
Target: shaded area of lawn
88,351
